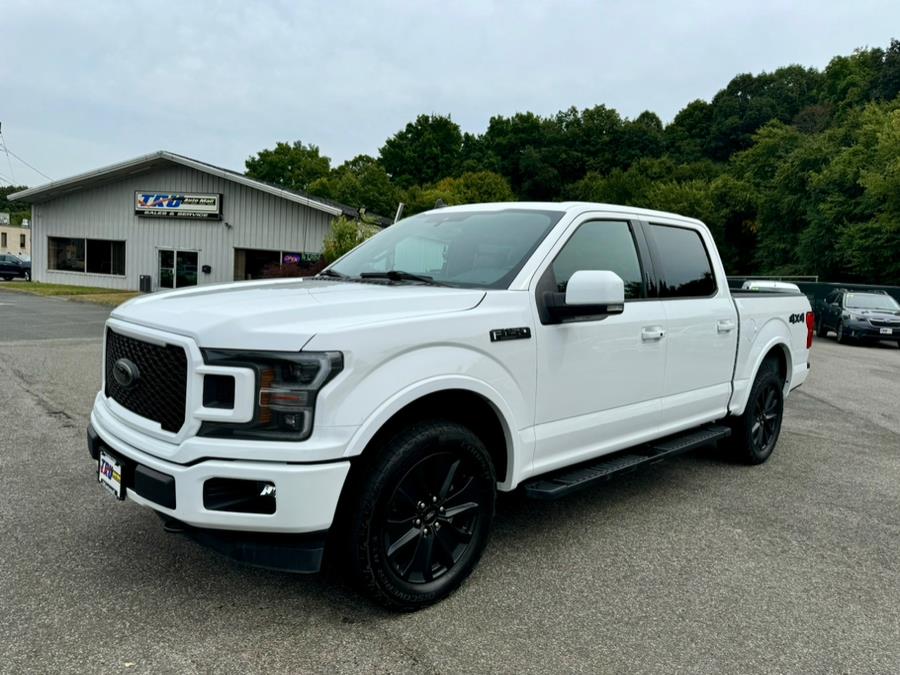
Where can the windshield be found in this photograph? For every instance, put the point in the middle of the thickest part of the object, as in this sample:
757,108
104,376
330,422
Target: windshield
870,301
470,249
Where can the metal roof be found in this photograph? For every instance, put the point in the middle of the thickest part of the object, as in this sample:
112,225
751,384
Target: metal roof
161,158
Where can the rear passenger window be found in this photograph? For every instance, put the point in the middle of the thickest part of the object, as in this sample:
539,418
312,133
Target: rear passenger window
601,245
685,264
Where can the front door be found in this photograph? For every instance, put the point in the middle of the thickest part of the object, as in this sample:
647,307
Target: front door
177,269
599,380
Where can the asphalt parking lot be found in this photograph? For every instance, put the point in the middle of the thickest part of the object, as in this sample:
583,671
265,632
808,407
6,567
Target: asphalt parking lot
696,565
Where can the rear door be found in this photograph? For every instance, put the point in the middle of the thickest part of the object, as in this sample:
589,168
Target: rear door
599,380
702,325
833,310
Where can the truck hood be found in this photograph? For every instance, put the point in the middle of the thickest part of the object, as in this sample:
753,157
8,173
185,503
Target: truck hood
285,314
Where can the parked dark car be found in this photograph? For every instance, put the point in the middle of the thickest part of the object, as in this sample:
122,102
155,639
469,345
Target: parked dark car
859,315
12,266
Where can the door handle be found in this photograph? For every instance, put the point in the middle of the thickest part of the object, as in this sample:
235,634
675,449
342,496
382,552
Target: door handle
652,333
725,326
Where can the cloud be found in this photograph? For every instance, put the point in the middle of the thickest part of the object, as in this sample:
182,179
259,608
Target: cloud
90,83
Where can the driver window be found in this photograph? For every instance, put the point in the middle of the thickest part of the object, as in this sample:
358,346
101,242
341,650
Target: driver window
601,245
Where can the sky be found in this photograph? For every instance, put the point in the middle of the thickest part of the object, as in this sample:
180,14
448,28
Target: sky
90,83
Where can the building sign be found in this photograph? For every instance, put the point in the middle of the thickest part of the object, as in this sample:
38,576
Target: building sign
178,205
300,259
4,218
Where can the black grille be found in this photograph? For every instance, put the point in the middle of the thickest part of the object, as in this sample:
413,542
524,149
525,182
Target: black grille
884,323
159,391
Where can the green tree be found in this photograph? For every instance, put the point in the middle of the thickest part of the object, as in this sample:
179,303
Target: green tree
360,182
687,137
888,82
423,152
291,165
345,235
469,188
871,249
849,81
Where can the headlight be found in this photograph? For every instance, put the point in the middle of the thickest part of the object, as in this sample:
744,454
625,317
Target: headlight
858,317
286,387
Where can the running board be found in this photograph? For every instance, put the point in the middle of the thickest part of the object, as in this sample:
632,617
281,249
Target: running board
573,478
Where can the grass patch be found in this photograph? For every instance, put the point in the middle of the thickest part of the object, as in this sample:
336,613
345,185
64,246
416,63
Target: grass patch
100,296
109,299
37,288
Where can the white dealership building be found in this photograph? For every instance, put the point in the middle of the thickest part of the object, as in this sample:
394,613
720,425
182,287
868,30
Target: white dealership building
176,220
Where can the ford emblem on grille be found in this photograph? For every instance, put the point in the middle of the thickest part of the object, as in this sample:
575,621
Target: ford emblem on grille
126,373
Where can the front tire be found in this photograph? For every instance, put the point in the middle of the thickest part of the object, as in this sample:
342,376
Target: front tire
27,276
755,433
821,330
421,515
841,336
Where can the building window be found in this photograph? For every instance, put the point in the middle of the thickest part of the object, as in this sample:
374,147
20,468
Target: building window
21,241
93,256
65,254
252,263
3,239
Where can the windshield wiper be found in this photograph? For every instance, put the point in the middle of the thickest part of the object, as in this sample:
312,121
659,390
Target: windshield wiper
400,275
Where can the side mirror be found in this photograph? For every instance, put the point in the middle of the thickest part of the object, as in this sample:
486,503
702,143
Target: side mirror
589,294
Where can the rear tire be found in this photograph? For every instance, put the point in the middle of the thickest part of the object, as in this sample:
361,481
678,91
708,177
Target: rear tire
841,337
27,276
420,515
755,433
7,278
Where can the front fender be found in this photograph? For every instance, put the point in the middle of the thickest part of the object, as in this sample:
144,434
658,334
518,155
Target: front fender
383,392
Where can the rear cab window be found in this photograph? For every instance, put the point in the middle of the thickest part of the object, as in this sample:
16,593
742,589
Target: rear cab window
684,263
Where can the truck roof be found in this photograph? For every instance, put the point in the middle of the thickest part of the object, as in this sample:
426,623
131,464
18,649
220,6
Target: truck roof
573,206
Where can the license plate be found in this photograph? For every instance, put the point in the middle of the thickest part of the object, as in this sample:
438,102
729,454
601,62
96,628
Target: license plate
887,331
109,473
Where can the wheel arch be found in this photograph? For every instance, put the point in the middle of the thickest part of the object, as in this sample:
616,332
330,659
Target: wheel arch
466,401
776,349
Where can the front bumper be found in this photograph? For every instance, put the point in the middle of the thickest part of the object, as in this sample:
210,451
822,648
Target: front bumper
865,331
305,500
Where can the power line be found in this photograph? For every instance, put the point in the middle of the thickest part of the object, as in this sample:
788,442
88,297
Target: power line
10,152
8,160
26,163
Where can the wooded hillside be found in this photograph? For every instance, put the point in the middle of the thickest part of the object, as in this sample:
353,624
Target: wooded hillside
796,171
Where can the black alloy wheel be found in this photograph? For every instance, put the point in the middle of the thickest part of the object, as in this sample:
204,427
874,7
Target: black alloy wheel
755,432
766,418
431,517
418,514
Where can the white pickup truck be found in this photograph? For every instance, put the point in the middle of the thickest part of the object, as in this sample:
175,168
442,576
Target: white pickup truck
378,407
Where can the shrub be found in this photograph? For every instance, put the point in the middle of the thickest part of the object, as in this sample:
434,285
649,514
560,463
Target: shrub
345,235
